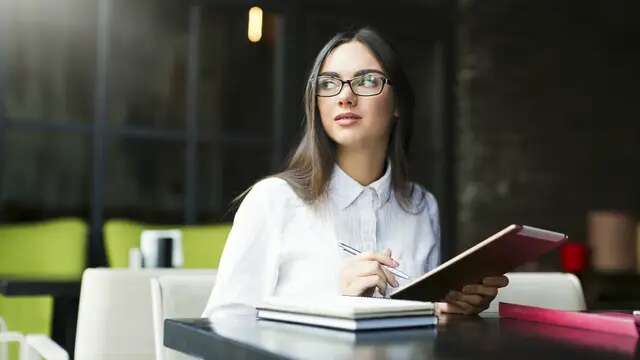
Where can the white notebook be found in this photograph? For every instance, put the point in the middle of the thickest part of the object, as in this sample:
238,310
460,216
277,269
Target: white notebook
348,312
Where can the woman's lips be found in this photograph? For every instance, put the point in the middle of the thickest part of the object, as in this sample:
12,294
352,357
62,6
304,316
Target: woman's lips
346,119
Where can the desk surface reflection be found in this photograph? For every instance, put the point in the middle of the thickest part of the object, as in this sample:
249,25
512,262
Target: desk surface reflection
244,336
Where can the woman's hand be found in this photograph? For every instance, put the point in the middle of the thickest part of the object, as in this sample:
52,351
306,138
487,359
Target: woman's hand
473,298
363,273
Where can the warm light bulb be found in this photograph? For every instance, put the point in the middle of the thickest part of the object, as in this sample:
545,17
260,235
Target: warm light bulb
255,24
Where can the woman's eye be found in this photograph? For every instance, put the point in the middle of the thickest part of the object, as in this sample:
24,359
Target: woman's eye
370,81
326,84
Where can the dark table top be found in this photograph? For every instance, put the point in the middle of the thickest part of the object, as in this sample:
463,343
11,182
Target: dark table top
53,287
244,336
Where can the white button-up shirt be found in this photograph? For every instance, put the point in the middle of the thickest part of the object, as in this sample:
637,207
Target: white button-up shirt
279,245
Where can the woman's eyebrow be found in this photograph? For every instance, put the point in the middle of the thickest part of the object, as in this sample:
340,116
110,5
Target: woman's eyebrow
367,71
329,73
357,73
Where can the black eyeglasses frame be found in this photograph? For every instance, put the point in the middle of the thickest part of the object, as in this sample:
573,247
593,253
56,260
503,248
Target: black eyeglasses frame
385,81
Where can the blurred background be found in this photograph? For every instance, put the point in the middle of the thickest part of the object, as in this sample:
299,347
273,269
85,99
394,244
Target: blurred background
164,111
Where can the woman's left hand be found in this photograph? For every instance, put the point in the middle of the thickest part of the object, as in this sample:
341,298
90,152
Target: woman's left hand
473,298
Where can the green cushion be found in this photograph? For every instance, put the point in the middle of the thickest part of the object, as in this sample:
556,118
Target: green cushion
202,245
49,249
52,249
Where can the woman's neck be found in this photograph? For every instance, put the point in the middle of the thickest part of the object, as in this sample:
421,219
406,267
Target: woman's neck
363,165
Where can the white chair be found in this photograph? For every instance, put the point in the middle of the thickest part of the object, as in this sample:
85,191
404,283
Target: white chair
177,297
4,350
115,319
32,346
561,291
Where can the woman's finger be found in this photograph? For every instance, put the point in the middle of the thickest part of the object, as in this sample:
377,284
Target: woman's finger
360,284
386,277
451,296
467,309
448,308
379,257
472,299
365,268
391,279
496,281
480,290
382,285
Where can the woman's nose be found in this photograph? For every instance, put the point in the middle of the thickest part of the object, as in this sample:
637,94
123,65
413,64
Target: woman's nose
347,97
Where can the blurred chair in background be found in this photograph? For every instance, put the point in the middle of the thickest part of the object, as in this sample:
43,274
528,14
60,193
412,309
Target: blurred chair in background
33,346
560,291
177,296
115,318
54,249
202,245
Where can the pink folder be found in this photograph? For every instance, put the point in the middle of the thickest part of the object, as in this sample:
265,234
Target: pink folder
610,322
577,338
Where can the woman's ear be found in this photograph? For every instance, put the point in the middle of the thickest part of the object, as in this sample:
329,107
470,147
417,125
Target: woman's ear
396,114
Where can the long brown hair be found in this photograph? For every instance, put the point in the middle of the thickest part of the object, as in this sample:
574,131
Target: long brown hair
310,166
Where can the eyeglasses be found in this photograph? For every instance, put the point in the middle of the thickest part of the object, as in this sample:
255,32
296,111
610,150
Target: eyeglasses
364,85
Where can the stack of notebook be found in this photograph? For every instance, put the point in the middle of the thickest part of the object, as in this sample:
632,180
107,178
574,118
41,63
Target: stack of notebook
349,312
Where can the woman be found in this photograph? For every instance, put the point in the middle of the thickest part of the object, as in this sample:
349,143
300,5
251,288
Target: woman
347,182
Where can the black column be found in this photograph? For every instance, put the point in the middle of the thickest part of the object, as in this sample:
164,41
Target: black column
96,248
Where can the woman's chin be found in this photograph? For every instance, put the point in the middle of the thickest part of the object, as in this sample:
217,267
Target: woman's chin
349,141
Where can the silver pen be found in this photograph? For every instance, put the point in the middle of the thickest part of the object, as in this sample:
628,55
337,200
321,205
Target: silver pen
352,251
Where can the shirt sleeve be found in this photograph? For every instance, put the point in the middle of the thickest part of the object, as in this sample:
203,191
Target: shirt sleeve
248,268
433,259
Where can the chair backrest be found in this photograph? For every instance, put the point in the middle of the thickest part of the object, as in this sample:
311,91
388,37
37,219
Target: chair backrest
4,350
115,319
560,291
175,296
47,249
202,245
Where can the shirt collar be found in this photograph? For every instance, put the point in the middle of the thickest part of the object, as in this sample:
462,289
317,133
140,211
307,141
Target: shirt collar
344,190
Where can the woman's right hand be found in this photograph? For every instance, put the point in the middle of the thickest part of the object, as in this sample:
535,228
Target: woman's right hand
362,274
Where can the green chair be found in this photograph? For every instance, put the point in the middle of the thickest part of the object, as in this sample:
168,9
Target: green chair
53,249
202,245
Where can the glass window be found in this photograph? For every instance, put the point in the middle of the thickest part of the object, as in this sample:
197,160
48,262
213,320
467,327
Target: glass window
225,172
44,174
148,64
49,54
145,180
237,81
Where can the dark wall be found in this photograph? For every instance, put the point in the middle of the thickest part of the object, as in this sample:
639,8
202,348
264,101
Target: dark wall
547,119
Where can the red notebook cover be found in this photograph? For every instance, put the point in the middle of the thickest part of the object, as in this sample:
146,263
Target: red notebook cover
612,322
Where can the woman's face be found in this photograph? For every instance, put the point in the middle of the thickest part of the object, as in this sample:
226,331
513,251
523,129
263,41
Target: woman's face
350,120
